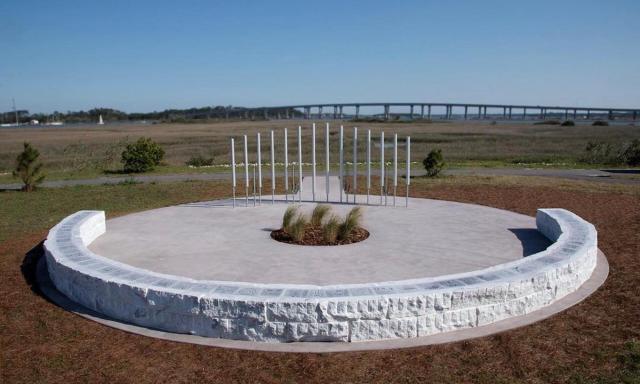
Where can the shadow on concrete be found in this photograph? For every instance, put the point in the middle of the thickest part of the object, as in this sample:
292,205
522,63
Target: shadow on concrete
532,241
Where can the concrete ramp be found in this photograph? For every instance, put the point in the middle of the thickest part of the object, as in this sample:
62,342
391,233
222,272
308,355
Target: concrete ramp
321,189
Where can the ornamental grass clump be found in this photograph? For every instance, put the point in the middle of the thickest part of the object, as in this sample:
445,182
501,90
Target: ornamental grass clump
297,228
287,219
350,223
318,214
330,230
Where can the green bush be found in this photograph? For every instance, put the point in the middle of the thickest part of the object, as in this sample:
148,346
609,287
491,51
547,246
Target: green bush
200,161
433,163
298,228
28,168
287,219
568,123
600,123
142,156
630,154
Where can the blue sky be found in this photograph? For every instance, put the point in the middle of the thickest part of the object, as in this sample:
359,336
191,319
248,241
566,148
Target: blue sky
151,55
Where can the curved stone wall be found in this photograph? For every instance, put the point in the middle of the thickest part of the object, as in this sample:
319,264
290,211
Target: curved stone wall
353,312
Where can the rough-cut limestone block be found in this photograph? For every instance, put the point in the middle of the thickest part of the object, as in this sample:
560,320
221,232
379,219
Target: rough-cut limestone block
334,331
383,329
285,313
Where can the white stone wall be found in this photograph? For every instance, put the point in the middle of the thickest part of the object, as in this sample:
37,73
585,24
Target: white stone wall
353,312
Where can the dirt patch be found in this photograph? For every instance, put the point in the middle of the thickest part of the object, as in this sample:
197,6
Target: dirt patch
313,236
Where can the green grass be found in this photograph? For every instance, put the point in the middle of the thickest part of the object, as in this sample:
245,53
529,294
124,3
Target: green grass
23,213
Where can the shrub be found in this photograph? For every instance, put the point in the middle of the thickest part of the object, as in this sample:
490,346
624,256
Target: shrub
287,219
351,222
200,161
318,214
600,123
142,156
28,168
630,154
433,163
568,123
297,228
330,229
598,153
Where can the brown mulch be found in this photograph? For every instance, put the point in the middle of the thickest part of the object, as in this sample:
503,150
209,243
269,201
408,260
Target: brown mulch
313,236
40,342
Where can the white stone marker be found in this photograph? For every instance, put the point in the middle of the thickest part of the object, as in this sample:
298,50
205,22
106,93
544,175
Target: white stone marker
259,170
381,166
341,161
273,171
408,168
313,162
326,174
395,167
300,162
286,166
246,171
233,170
368,163
355,162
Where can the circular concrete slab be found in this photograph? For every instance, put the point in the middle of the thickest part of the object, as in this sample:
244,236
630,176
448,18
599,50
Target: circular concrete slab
210,241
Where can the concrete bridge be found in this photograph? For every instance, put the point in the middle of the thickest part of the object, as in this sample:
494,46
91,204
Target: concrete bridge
441,111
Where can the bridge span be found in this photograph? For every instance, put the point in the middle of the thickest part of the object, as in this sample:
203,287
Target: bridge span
429,111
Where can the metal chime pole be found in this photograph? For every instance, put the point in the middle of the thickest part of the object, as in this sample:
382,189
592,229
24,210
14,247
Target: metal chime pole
286,167
233,171
326,175
254,185
259,171
246,172
300,163
313,162
368,164
355,163
408,168
341,161
273,170
381,166
395,167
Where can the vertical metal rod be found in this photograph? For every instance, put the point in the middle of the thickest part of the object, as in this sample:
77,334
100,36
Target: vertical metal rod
368,164
254,185
246,171
381,166
395,166
259,170
313,162
286,167
273,170
355,163
300,163
408,176
233,170
341,161
326,138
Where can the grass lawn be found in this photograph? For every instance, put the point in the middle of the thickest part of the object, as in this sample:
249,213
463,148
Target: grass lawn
596,341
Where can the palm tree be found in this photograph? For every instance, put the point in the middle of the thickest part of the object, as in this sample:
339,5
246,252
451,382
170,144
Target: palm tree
28,168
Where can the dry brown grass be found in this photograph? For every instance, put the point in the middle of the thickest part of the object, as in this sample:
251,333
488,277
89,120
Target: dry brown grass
40,342
74,148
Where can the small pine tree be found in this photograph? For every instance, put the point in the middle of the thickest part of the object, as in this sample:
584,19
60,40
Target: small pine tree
142,156
28,168
433,163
